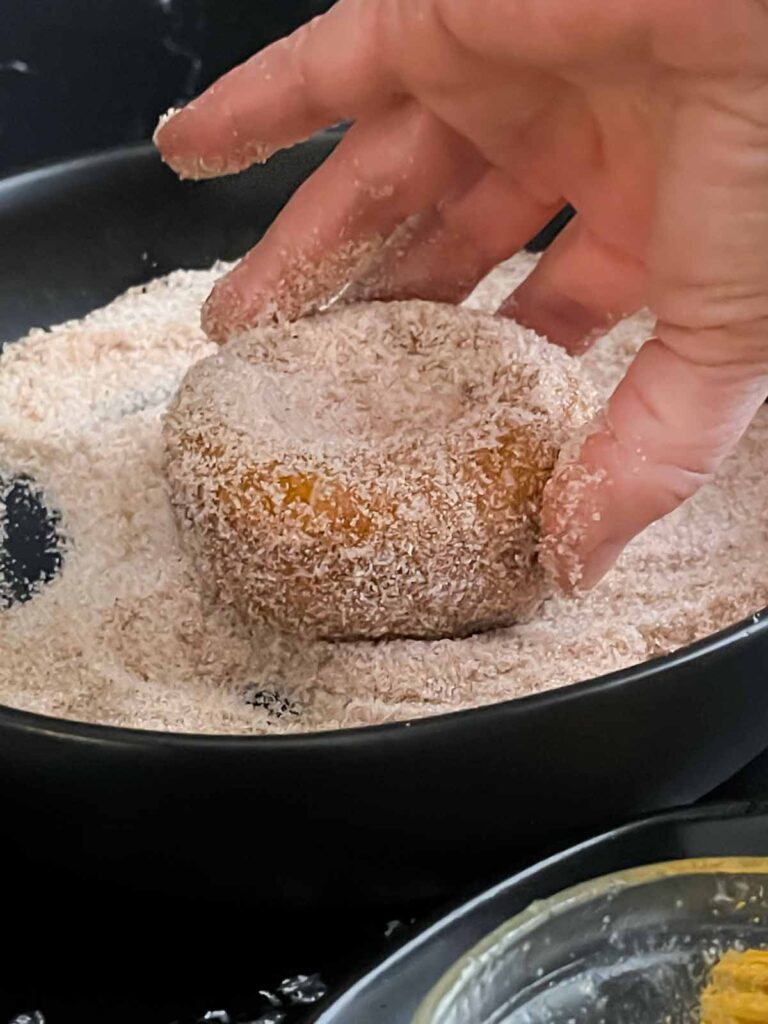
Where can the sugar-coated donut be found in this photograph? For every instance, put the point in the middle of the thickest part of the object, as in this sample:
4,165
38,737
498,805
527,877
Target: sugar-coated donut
374,470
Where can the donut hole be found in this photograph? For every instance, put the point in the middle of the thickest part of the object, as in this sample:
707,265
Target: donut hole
373,471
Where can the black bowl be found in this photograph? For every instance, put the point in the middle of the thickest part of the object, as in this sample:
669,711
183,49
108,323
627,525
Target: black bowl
366,816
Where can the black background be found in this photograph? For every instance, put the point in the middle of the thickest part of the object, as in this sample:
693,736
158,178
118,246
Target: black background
79,75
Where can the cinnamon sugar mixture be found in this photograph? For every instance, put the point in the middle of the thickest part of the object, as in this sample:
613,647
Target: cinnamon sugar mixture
122,636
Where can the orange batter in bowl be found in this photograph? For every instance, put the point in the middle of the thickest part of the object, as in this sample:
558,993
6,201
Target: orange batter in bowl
737,991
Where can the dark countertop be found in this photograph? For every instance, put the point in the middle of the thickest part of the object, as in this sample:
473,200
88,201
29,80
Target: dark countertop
76,76
150,972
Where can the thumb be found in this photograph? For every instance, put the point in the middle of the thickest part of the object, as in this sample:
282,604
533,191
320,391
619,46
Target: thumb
691,392
672,420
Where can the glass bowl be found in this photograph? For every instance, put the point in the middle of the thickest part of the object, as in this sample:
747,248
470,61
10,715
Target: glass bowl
629,948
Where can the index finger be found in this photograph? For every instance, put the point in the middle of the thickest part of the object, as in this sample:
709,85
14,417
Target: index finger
332,69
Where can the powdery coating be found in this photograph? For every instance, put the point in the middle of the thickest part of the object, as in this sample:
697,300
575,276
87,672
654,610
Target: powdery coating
375,470
199,168
163,120
122,636
308,286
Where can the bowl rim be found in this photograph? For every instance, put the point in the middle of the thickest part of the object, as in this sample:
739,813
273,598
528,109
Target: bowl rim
48,168
632,676
575,895
621,679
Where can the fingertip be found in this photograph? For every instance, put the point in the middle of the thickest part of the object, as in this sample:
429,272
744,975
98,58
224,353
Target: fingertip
599,562
169,139
572,516
226,311
197,142
162,123
598,500
211,319
561,568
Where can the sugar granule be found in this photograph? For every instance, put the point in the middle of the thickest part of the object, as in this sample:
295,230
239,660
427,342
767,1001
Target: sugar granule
121,636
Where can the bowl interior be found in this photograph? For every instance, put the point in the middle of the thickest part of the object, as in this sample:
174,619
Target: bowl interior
633,947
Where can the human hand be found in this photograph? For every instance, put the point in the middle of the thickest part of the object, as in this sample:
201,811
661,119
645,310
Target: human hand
474,123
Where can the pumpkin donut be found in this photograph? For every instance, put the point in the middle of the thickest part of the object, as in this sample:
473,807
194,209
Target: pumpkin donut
375,470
